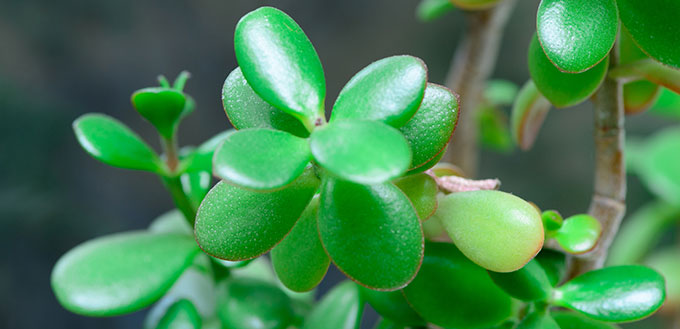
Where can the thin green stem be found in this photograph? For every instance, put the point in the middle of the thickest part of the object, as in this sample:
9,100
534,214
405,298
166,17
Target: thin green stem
173,182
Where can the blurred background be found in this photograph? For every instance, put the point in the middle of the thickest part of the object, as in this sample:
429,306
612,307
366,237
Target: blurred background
61,59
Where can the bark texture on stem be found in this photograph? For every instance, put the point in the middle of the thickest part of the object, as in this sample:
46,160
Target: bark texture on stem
473,63
609,195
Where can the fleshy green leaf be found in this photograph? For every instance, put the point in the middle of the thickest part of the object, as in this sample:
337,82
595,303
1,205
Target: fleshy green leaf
280,63
615,294
389,90
245,109
246,303
552,220
653,25
563,89
577,34
429,10
433,228
528,113
120,273
529,283
432,126
261,159
659,168
230,225
110,141
340,308
163,107
649,70
371,232
500,92
667,262
365,152
200,159
181,315
579,234
538,320
451,291
422,190
494,133
554,263
299,260
485,226
392,305
639,95
475,4
571,320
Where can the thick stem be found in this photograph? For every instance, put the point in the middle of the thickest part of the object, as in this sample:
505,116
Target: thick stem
473,63
609,195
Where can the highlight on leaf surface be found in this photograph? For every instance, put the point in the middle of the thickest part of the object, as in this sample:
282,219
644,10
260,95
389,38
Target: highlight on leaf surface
342,307
528,113
667,263
389,90
429,10
578,234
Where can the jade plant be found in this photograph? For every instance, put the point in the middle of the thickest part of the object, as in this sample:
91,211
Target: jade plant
362,188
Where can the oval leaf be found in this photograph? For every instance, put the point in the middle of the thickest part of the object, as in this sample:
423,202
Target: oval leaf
579,234
163,107
340,308
571,320
246,303
429,10
639,96
110,141
654,25
432,126
230,225
354,219
615,294
446,278
365,152
261,159
280,63
245,109
389,90
422,190
529,283
528,114
563,89
392,305
299,260
120,273
485,226
554,263
183,315
577,34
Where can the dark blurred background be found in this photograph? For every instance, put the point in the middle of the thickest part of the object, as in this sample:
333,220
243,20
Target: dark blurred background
60,59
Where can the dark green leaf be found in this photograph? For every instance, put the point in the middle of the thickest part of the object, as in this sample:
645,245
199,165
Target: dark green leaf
371,232
485,226
615,294
528,113
366,152
577,34
653,25
563,89
529,283
110,141
261,159
181,315
571,320
340,308
280,64
578,234
120,273
422,190
392,305
538,320
451,291
163,107
245,303
389,90
299,260
432,126
429,10
245,109
554,263
229,222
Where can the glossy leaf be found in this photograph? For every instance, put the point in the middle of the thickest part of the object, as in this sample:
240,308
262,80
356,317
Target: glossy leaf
299,260
451,291
421,190
429,10
245,109
229,222
554,263
615,294
571,320
280,63
253,304
667,262
120,273
340,308
110,141
528,113
371,232
181,315
392,305
365,152
500,92
475,4
485,226
389,90
563,89
163,107
538,320
653,25
552,220
529,283
432,126
579,233
261,159
649,70
577,34
659,168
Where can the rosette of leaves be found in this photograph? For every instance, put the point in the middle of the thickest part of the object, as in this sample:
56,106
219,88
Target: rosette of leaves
318,191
